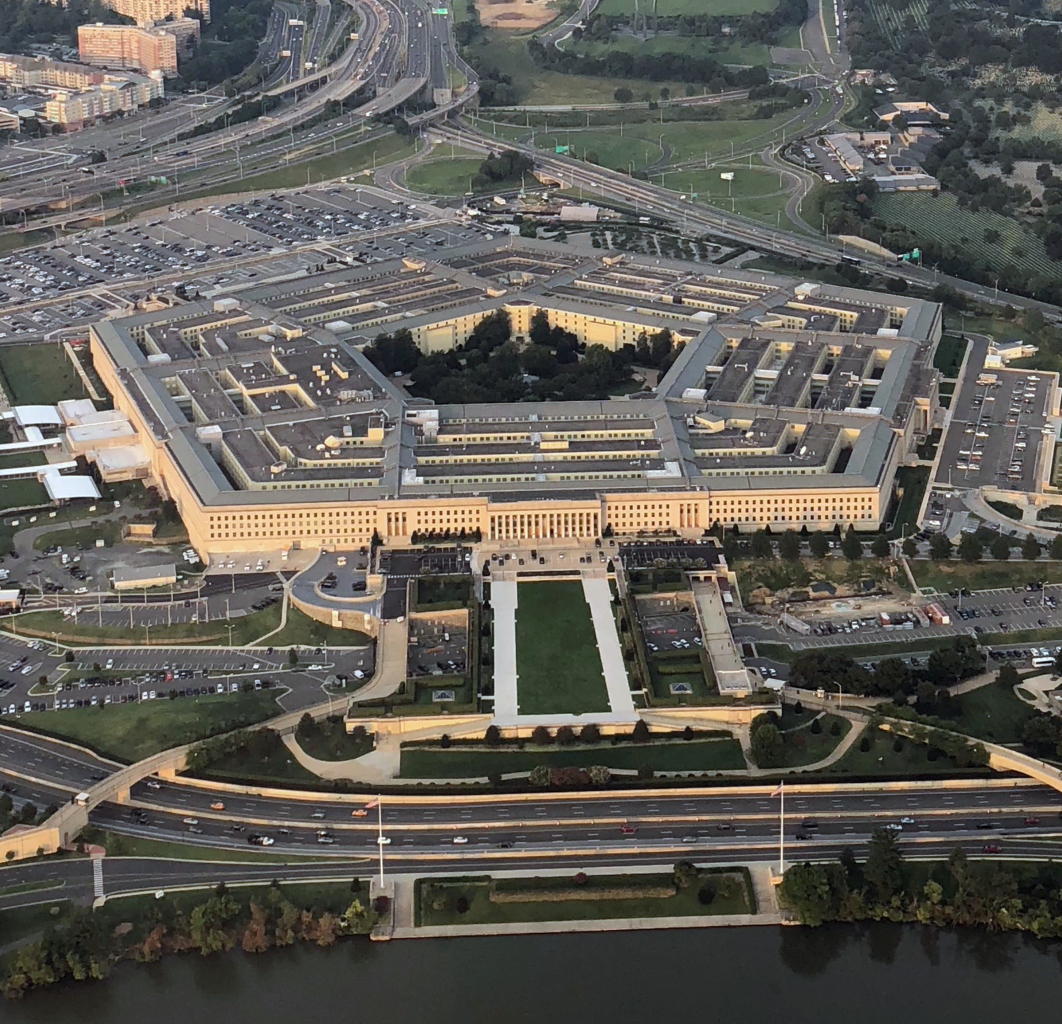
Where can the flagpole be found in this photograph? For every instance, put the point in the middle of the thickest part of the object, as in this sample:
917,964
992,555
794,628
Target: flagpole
781,830
379,837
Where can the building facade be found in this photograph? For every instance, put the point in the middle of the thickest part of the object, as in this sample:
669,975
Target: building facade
128,47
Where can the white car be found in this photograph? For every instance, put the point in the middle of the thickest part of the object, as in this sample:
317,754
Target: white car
459,840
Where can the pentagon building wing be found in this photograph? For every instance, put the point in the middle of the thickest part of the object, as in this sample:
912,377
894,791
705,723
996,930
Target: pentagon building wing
790,405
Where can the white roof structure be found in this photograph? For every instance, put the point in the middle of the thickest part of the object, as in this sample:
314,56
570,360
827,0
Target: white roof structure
76,410
37,416
89,434
64,488
121,457
145,574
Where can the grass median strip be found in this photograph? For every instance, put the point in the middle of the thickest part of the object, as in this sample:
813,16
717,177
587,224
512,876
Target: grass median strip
581,897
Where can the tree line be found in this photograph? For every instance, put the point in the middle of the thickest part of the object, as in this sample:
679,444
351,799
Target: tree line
991,894
88,945
24,22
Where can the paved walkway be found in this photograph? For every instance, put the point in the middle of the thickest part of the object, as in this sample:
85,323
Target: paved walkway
503,601
842,748
599,597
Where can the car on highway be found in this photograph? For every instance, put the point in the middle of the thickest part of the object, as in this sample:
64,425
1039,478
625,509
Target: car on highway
991,848
459,840
257,840
627,830
217,805
893,826
191,821
358,812
907,821
989,824
1032,821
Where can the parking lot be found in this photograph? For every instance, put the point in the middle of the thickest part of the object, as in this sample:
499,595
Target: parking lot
436,648
647,554
276,235
996,427
677,631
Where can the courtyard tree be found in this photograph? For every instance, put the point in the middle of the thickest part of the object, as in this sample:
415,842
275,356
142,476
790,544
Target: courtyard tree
851,546
1000,548
1030,548
819,545
939,547
789,546
879,546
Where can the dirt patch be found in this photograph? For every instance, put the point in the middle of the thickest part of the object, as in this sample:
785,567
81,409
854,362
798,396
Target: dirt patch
515,14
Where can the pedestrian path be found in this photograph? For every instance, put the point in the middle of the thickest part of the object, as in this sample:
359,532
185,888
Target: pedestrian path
599,597
503,604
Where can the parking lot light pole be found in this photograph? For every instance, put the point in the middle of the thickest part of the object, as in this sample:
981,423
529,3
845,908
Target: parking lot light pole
840,694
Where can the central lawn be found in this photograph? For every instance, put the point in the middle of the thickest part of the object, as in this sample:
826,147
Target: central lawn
715,755
129,732
557,661
437,899
40,374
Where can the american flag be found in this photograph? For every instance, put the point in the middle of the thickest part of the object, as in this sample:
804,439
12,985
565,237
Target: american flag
778,790
372,803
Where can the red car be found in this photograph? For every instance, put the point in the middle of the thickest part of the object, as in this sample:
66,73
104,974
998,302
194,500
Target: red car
991,848
1032,821
628,830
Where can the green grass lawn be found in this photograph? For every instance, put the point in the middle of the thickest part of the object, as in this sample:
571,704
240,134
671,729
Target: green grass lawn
280,768
802,746
81,537
557,661
993,713
950,351
445,892
22,492
457,762
535,85
129,732
118,845
949,575
883,759
20,459
442,176
303,631
39,374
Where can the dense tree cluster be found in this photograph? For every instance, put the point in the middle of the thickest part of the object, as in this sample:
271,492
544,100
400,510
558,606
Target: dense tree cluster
91,942
891,678
229,41
498,168
1007,896
489,367
24,22
759,27
654,67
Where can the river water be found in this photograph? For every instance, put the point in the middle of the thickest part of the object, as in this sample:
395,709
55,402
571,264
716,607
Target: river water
877,974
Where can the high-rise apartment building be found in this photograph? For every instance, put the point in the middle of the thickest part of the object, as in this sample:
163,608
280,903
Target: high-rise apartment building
128,47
